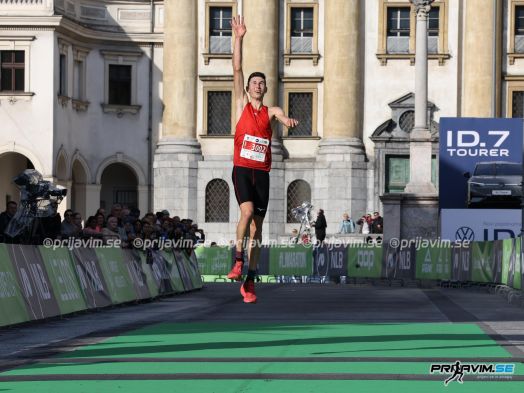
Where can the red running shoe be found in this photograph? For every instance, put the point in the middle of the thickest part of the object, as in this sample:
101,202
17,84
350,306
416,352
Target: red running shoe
236,271
248,291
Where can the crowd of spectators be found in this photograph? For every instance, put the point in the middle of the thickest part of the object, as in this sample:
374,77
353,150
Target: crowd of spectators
371,223
121,222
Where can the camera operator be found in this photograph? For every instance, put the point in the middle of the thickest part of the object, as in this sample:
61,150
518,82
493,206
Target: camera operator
5,218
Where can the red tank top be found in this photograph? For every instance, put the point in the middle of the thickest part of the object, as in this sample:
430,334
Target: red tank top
253,139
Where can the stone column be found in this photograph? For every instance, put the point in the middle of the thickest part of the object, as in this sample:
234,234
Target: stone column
178,151
261,53
340,177
479,48
420,138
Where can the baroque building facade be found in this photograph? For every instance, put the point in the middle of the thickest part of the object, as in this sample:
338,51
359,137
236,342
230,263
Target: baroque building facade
132,101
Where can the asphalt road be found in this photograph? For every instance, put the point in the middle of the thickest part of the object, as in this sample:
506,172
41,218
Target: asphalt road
336,324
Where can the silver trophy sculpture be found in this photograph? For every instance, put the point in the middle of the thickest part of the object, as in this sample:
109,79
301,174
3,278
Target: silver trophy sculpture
303,214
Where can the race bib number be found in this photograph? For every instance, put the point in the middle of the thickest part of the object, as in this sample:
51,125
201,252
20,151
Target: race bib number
254,148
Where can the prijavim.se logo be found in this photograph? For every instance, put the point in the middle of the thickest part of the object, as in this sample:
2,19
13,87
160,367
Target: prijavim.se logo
457,370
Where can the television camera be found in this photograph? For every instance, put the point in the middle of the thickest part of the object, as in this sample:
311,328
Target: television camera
38,198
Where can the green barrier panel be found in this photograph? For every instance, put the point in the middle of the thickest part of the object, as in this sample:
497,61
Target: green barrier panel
511,271
213,260
64,280
365,262
289,261
12,306
433,263
186,267
119,283
482,261
173,271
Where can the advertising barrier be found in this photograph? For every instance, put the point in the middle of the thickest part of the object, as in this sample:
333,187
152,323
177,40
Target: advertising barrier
12,305
61,271
433,263
38,283
288,261
365,262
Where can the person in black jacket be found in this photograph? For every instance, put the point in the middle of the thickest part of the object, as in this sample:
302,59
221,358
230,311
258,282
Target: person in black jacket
5,218
320,226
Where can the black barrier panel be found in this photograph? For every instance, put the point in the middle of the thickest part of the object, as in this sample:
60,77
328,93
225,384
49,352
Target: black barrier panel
34,281
195,272
512,268
330,261
399,262
461,263
91,278
183,269
133,264
160,271
496,256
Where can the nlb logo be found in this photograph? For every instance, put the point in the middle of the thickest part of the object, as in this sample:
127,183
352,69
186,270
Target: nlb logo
466,143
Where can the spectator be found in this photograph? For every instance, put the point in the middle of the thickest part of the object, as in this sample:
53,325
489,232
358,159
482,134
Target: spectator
347,225
116,211
68,227
77,221
199,234
377,225
320,227
113,232
100,222
90,229
5,218
52,225
364,223
101,211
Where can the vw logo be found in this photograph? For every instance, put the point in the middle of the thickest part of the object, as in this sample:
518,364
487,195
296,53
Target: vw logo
465,233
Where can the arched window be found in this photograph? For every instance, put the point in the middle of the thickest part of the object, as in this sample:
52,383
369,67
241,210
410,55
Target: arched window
297,192
217,201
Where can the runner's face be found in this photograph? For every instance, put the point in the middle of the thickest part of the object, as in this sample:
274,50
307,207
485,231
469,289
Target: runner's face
257,87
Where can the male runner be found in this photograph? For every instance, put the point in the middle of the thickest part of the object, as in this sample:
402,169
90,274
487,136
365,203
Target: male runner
252,160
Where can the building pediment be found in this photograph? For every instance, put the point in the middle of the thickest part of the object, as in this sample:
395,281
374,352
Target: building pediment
402,120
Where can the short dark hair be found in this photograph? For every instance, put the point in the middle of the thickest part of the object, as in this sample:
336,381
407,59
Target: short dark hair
255,74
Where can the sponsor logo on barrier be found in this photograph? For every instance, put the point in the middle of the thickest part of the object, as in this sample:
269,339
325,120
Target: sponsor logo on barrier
7,285
66,278
292,260
365,259
458,370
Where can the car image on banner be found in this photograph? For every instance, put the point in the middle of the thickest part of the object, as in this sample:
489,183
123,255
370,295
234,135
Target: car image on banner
480,178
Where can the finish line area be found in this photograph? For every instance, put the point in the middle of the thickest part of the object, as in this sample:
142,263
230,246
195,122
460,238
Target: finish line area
297,338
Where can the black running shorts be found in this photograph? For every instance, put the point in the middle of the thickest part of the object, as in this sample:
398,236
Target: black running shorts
252,185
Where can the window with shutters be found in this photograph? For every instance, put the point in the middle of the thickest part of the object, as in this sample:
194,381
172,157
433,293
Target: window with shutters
301,31
397,28
218,109
220,29
120,81
300,102
298,191
219,37
219,112
515,97
12,71
217,201
516,31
